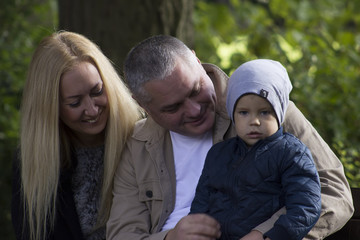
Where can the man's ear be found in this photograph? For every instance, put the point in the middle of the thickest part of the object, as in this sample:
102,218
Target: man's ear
193,51
140,104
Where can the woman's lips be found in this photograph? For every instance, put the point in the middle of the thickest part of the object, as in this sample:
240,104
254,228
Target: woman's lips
93,120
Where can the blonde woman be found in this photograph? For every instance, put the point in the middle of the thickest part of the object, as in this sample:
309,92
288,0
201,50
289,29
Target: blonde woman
76,116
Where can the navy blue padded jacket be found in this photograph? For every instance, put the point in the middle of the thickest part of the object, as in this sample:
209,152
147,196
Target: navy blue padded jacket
242,187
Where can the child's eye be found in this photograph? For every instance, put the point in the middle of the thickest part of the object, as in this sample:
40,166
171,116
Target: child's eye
265,113
243,113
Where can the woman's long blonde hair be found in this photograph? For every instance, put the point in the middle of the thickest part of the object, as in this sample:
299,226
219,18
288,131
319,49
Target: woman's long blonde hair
45,144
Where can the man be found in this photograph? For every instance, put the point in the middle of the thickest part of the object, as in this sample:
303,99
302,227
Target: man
156,178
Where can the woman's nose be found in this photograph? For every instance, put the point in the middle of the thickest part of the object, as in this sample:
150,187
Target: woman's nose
91,109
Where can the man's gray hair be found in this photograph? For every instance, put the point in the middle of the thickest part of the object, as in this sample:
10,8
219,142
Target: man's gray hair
154,59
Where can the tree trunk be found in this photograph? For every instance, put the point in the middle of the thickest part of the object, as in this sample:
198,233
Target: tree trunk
117,25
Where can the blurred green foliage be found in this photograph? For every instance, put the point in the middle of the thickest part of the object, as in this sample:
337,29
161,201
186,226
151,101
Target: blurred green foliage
317,41
22,24
319,44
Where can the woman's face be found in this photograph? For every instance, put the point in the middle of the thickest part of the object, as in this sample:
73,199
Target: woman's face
83,103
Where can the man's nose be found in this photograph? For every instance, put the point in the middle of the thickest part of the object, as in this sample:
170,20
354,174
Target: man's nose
193,108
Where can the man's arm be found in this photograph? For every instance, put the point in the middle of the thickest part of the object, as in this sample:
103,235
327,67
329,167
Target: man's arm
130,217
337,205
268,224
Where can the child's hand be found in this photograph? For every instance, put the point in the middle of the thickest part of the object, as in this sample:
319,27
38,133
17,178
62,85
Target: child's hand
253,235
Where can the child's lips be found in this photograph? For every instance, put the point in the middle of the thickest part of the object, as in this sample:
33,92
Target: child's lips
254,135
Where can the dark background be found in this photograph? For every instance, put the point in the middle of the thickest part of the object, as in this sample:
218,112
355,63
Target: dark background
317,41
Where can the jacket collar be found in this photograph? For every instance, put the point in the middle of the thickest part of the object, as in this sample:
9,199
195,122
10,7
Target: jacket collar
220,81
223,128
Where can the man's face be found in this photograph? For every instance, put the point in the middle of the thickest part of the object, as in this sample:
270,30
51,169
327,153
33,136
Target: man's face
184,102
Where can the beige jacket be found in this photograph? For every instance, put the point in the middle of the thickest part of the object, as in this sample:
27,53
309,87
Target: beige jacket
144,184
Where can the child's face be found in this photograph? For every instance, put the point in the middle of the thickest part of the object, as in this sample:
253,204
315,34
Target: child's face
254,119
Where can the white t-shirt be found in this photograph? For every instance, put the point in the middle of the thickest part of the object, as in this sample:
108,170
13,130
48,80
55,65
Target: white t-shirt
189,157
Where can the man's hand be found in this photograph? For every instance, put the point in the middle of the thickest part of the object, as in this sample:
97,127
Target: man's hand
254,235
195,227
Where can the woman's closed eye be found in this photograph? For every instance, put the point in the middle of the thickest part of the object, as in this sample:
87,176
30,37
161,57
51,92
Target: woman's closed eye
98,92
74,104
